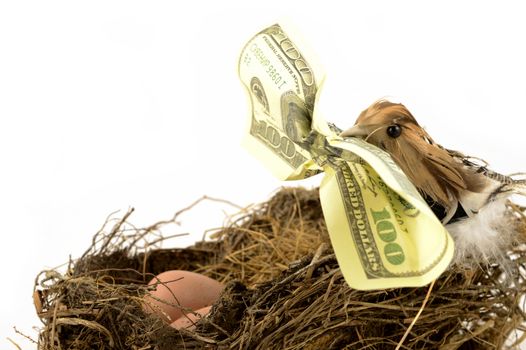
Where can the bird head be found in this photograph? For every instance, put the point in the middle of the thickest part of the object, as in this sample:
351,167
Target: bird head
387,125
431,168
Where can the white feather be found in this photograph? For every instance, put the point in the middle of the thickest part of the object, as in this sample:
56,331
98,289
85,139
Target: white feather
485,237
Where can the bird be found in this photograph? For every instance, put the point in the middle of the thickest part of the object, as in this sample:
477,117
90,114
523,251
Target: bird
457,187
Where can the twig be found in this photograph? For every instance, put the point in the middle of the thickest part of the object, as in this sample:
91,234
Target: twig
15,344
417,316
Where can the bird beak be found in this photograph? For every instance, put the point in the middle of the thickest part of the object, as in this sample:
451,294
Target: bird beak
355,131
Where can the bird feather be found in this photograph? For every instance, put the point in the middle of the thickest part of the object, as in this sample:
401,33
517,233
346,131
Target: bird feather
485,237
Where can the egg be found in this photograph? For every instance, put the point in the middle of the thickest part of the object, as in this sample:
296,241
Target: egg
178,290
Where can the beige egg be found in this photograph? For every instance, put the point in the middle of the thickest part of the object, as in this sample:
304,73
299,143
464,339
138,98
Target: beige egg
188,321
177,290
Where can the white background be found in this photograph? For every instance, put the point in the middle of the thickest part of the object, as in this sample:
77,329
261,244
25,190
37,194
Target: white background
105,105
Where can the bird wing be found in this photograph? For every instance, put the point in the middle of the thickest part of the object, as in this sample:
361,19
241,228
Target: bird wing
483,184
430,167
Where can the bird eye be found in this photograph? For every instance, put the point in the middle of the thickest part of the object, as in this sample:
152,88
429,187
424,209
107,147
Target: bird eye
394,131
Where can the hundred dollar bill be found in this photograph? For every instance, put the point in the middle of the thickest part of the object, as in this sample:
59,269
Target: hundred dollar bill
383,233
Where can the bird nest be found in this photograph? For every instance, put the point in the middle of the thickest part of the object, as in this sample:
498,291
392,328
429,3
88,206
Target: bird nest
284,290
